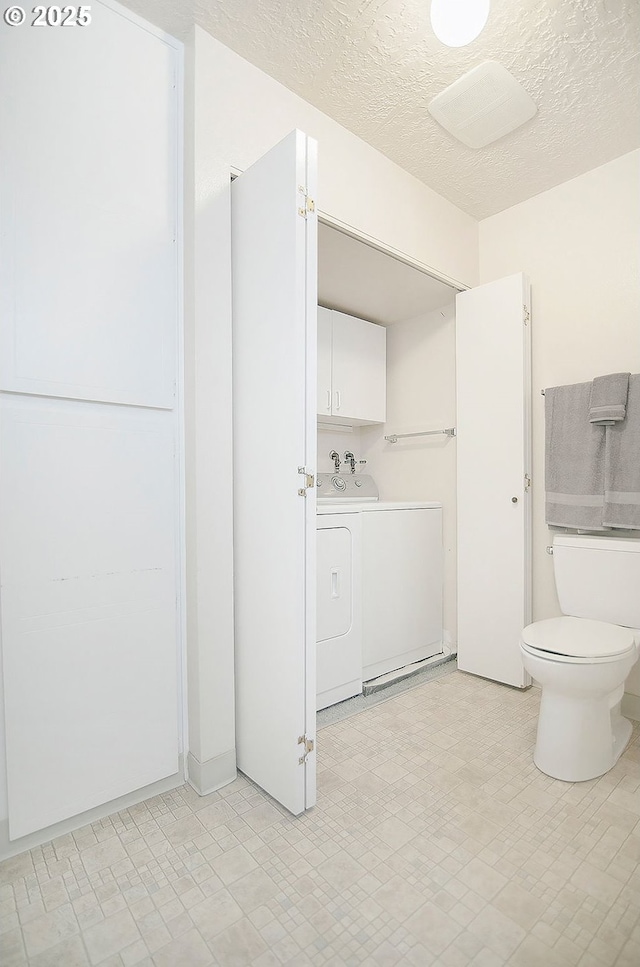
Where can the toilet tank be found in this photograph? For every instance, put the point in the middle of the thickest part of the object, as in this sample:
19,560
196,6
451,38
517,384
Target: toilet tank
598,577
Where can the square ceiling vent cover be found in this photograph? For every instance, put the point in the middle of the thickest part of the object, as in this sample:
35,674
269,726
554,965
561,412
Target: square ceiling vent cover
483,105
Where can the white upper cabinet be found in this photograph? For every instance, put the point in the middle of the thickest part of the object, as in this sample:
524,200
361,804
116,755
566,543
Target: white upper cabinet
352,369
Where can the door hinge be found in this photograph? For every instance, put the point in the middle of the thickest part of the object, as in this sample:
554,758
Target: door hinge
309,481
527,483
308,748
526,315
309,203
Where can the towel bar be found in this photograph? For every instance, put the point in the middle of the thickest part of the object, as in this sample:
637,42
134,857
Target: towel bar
394,437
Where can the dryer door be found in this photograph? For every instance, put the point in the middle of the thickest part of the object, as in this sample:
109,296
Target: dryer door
334,584
339,609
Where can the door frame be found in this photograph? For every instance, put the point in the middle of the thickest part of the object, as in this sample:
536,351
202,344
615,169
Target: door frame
324,218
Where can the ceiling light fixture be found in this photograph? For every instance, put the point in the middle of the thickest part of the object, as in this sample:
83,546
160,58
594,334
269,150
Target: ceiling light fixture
457,22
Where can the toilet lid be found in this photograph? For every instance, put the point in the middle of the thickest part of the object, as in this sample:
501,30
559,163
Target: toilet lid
578,637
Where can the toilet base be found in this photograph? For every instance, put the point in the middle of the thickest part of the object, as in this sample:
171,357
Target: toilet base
579,739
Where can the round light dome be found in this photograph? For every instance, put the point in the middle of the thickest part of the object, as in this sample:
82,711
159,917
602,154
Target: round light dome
458,22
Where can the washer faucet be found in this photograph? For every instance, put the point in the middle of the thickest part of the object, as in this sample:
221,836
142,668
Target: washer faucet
335,456
350,459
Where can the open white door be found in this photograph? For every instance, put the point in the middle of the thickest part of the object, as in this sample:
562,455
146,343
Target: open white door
493,340
274,266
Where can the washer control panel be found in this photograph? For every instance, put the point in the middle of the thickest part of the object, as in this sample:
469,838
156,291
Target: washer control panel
346,486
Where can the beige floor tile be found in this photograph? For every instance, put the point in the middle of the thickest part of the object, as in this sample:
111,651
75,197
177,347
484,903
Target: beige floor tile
49,930
596,883
253,890
394,832
12,950
134,954
70,953
215,914
498,932
433,928
184,830
189,950
341,870
533,953
399,898
485,881
15,868
103,855
216,814
111,936
261,817
233,864
238,945
519,905
629,955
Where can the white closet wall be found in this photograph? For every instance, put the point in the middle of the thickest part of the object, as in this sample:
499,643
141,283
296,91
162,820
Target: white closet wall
90,448
421,380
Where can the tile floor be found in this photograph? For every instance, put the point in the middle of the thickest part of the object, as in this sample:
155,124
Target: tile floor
435,841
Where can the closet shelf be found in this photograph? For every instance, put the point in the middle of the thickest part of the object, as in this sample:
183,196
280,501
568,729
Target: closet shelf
394,437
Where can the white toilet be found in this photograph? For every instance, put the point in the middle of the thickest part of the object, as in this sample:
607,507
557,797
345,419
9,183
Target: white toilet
581,661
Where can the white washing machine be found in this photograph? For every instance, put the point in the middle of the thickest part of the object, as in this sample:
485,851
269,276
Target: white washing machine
379,606
402,583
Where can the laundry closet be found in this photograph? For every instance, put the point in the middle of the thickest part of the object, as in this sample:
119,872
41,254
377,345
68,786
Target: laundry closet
465,368
380,549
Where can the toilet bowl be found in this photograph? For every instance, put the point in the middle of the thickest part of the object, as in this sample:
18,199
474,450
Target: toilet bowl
581,733
581,660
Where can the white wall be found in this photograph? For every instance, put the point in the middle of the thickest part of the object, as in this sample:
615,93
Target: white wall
579,245
340,440
238,114
421,395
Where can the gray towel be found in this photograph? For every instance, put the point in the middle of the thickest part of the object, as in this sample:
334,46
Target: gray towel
574,459
609,399
622,466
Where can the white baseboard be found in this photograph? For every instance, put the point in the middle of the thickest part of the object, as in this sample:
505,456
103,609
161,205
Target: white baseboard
13,847
449,646
631,706
206,777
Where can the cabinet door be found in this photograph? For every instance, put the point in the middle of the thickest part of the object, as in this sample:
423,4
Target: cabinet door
493,334
325,323
359,369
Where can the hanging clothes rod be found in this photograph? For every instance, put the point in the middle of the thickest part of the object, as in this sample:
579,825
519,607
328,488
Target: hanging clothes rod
394,437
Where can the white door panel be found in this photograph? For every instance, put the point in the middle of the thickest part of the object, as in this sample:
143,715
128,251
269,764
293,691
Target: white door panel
493,454
88,257
274,261
89,605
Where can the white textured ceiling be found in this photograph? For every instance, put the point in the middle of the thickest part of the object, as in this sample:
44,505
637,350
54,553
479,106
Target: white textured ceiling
374,65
